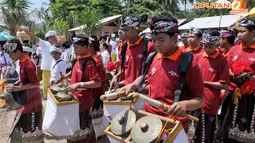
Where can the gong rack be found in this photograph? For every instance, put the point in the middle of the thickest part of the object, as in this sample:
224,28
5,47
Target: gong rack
115,103
117,98
58,103
174,126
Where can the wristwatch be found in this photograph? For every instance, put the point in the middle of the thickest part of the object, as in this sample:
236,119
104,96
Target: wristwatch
81,85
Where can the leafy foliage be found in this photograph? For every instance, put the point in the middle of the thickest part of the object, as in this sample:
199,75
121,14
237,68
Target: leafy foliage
141,7
15,14
66,14
61,27
90,19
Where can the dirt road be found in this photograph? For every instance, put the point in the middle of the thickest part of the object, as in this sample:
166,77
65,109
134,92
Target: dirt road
6,119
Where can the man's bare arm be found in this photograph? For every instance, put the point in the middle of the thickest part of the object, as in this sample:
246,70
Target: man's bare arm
31,35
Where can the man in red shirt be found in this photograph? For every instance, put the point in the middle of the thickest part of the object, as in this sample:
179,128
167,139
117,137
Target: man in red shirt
194,39
226,42
122,41
185,42
163,75
84,77
29,116
134,56
237,123
97,111
215,71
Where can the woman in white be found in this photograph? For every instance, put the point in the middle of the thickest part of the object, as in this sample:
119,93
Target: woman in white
104,54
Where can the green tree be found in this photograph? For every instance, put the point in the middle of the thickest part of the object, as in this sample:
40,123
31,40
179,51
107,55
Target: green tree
108,8
71,10
90,20
15,14
64,9
185,2
250,4
170,5
61,27
47,21
141,7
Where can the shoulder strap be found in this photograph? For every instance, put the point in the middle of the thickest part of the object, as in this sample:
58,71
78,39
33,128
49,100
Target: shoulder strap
83,65
146,66
182,69
56,63
145,51
123,54
4,59
73,62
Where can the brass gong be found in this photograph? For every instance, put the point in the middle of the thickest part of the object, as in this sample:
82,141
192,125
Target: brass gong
123,122
146,129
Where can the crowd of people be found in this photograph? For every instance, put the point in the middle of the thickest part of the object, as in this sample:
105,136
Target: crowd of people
209,74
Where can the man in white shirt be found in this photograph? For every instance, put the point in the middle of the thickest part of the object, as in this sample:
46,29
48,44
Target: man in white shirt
114,52
58,65
104,54
46,57
66,54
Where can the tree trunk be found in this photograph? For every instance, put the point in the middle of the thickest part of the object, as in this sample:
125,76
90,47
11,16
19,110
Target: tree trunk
185,3
13,31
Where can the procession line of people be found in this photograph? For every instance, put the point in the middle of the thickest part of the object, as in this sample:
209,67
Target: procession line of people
218,86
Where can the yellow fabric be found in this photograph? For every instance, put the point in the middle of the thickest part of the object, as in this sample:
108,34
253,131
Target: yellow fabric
45,82
252,12
113,56
3,103
237,94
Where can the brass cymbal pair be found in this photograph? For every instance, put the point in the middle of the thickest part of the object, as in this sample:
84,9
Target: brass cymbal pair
145,130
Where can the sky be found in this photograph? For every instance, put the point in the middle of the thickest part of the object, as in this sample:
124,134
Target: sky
35,3
38,3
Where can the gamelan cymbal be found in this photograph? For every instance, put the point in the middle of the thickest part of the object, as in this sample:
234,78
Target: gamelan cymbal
146,129
123,122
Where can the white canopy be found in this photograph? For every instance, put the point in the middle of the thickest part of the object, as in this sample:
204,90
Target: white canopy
102,21
223,21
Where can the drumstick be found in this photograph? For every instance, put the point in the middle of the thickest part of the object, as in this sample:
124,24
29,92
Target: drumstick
81,89
9,68
160,105
60,77
112,95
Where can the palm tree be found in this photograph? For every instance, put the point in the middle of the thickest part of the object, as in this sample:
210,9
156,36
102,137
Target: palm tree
250,4
185,3
14,14
173,5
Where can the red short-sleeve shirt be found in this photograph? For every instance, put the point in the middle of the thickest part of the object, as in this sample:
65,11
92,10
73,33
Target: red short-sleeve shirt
134,60
240,52
214,68
90,73
102,74
197,52
184,48
224,52
163,77
28,76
